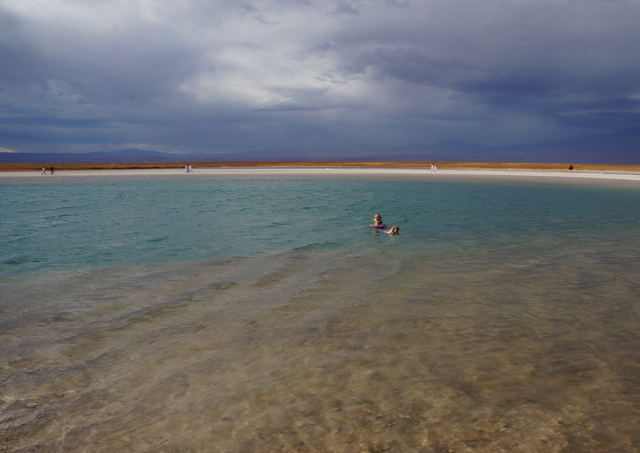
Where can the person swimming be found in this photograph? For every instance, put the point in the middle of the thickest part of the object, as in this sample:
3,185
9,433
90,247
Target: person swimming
377,222
378,225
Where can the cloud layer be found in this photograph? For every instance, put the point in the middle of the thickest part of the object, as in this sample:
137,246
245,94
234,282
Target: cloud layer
223,76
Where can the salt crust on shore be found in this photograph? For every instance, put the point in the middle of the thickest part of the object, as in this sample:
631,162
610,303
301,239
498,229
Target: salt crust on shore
344,171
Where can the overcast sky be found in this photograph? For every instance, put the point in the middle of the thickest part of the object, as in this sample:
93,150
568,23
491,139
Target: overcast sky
218,75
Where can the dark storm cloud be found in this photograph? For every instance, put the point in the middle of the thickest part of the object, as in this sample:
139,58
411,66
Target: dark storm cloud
222,75
130,66
540,50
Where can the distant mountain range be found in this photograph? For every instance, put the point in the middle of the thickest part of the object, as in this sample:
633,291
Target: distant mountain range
620,148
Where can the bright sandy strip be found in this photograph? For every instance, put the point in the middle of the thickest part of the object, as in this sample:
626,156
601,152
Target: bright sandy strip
346,171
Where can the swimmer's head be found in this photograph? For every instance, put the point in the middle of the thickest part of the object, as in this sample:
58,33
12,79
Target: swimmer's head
377,217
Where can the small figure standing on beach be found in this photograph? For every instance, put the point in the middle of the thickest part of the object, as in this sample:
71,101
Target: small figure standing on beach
190,169
51,170
378,225
44,170
186,169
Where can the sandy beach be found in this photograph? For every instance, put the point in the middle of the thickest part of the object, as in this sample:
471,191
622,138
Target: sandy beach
456,173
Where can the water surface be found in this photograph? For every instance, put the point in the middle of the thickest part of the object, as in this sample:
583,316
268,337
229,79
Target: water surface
240,315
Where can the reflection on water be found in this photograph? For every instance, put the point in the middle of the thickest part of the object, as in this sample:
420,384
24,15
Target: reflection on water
515,349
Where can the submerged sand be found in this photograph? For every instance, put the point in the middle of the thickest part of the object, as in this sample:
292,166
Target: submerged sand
514,331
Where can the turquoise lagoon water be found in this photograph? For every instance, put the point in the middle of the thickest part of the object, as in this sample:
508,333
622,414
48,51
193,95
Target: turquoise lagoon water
222,313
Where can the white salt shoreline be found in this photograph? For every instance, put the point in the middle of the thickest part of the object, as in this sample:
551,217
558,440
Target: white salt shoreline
329,171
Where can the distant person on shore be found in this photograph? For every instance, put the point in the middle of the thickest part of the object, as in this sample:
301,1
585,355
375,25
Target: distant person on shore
52,170
378,225
186,169
190,169
44,170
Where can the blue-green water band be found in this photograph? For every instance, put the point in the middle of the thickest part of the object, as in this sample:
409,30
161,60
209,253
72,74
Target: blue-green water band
110,223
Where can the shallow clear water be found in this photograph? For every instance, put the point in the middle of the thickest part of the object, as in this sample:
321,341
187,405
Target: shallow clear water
258,315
